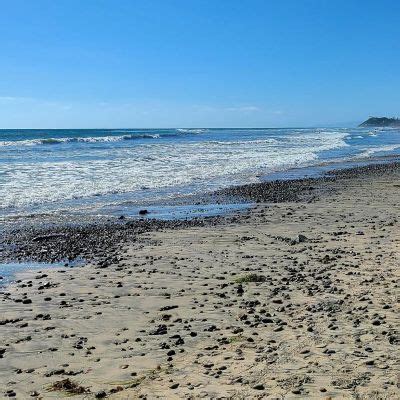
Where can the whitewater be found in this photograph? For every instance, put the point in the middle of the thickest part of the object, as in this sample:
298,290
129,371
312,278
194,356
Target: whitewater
53,170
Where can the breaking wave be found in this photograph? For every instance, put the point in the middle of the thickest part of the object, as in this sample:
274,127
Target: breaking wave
381,149
94,139
129,135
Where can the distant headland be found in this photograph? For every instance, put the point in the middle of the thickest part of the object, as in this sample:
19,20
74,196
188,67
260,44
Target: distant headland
381,122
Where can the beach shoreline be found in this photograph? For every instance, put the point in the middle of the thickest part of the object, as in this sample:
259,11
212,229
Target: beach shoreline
53,239
295,297
80,176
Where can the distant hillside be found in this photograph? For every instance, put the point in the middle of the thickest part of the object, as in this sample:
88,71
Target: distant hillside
381,122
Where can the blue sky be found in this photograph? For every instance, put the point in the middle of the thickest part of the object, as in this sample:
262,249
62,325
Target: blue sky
175,63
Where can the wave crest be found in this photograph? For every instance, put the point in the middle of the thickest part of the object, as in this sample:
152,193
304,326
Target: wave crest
94,139
196,130
102,139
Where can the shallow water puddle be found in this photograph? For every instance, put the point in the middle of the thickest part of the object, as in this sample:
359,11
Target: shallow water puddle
182,211
8,271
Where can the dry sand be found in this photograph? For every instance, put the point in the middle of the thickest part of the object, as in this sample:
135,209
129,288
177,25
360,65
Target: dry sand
173,319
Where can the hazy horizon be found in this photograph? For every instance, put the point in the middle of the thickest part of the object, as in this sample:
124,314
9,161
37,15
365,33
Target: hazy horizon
352,124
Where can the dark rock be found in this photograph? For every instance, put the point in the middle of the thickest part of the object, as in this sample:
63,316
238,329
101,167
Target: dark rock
302,238
259,386
160,330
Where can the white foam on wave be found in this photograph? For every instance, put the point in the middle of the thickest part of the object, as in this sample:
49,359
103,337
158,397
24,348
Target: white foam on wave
94,139
368,152
186,130
129,135
241,142
157,165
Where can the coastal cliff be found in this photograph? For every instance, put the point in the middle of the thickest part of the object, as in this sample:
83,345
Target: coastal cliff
381,122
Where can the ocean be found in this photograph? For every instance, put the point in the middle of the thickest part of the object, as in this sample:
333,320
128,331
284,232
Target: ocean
97,171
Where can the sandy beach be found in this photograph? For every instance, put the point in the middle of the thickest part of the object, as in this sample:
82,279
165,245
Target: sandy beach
296,298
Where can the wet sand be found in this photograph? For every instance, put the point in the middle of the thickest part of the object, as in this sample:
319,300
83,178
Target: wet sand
298,298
